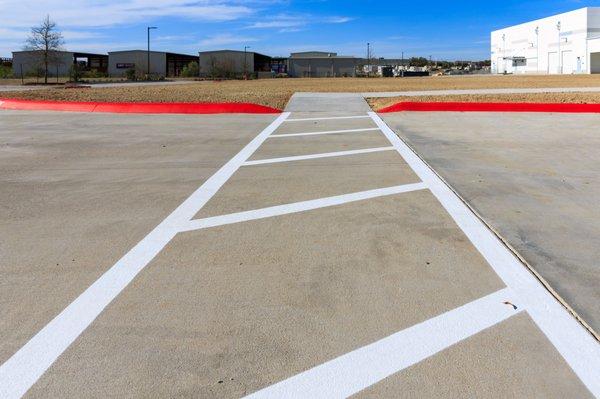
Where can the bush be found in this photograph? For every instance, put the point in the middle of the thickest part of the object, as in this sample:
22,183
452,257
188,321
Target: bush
130,74
191,70
75,73
5,72
93,74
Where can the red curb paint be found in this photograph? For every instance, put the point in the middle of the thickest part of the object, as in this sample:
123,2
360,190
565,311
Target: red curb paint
138,108
491,107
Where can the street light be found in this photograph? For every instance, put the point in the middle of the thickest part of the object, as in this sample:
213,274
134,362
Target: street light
148,31
245,62
558,55
537,46
504,53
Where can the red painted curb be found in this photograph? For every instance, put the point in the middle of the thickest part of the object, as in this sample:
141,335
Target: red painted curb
491,107
138,108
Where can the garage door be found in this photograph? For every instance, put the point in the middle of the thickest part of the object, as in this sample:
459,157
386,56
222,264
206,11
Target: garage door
595,62
553,63
567,63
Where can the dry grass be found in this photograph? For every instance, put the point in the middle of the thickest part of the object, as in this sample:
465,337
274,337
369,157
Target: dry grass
276,92
576,98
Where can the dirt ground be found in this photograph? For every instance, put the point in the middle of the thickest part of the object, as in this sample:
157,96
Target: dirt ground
276,92
578,98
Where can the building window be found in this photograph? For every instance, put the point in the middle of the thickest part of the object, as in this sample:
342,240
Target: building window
519,62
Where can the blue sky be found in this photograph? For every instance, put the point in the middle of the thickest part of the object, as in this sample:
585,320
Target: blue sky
443,29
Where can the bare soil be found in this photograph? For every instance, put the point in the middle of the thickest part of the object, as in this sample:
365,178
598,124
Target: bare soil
276,92
576,98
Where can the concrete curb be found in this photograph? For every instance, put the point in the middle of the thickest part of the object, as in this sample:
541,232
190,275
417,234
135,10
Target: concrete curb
491,107
138,108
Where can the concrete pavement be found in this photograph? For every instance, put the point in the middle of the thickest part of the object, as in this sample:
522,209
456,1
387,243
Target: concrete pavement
533,177
355,273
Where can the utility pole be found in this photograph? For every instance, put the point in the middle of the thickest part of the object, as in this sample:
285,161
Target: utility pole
504,53
402,64
559,57
148,53
369,66
537,46
246,62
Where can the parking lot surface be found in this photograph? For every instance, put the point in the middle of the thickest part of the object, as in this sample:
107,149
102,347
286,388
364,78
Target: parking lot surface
533,177
310,254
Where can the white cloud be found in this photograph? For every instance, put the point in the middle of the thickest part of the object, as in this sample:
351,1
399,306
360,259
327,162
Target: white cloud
281,21
223,39
338,20
293,23
96,13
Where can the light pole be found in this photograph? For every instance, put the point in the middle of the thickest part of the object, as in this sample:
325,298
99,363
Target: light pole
504,53
369,59
246,62
402,65
148,31
559,57
537,46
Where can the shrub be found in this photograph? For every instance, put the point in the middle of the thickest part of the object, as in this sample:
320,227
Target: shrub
75,73
94,73
191,70
130,74
5,72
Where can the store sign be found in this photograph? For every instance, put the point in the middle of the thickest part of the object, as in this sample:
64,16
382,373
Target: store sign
125,65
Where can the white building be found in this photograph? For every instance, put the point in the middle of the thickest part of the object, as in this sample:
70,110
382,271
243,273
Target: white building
562,44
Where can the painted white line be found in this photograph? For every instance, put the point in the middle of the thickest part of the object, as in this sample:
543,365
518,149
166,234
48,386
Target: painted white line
576,345
328,118
326,132
28,364
351,373
317,156
296,207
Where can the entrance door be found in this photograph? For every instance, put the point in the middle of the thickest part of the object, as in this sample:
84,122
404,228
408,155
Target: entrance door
553,63
500,65
567,62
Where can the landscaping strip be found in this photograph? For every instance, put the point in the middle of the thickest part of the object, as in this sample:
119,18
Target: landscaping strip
138,108
491,107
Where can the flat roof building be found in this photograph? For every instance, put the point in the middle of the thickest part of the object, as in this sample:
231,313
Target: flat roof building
233,63
561,44
320,64
31,62
161,63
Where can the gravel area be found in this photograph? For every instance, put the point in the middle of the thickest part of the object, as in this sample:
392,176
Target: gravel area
577,98
276,92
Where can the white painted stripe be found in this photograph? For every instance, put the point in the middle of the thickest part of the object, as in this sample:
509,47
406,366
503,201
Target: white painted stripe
326,132
576,345
327,118
296,207
317,156
26,366
363,367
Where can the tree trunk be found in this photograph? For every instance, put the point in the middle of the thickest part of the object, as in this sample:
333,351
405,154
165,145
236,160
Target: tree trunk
46,72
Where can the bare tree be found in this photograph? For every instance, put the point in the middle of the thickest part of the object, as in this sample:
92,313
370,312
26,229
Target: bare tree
47,40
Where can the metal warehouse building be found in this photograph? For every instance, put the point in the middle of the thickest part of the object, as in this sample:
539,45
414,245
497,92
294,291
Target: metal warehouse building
316,64
161,63
562,44
60,62
229,63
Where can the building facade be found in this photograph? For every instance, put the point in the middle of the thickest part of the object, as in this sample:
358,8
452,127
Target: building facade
317,64
161,63
59,62
566,43
233,63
